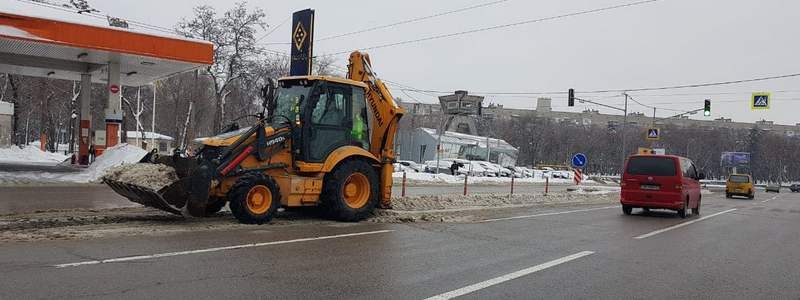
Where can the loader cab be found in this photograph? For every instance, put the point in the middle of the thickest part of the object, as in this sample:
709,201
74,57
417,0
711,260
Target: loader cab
325,114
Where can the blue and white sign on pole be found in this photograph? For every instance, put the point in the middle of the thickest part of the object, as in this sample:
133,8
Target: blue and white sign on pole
579,160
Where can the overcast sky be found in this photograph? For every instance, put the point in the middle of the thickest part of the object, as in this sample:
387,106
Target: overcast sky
669,42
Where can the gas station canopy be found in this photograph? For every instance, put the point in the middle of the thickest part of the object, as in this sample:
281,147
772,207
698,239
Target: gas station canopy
64,48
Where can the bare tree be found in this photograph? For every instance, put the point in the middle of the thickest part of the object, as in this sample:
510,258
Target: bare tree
233,35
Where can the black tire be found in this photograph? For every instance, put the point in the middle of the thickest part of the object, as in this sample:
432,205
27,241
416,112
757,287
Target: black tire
333,202
682,212
627,210
215,205
696,210
239,193
728,196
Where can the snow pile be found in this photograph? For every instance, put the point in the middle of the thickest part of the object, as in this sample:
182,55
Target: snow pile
152,176
118,155
30,154
595,190
444,202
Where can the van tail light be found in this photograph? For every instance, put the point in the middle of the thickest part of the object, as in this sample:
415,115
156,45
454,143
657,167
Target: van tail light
678,187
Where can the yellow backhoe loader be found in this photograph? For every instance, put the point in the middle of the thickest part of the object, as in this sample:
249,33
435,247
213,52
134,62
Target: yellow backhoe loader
320,141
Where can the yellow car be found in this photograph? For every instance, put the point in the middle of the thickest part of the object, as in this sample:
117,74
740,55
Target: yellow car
739,185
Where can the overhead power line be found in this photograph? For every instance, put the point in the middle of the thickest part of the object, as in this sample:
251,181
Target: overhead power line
412,20
100,16
403,22
273,29
447,35
674,87
697,85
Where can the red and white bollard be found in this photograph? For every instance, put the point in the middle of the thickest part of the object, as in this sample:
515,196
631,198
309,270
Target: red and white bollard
578,177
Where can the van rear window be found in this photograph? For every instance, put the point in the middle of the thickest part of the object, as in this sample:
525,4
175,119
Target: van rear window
740,179
652,166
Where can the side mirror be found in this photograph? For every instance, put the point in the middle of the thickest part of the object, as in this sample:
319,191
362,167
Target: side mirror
701,176
268,92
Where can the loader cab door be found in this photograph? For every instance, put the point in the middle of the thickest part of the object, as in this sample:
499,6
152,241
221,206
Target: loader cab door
334,120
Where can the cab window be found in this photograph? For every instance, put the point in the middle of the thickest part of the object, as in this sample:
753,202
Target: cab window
359,132
739,179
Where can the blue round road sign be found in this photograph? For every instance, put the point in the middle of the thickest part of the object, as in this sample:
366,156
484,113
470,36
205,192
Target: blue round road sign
579,160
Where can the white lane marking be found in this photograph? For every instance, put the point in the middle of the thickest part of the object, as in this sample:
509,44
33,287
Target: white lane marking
770,199
497,280
547,214
647,235
216,249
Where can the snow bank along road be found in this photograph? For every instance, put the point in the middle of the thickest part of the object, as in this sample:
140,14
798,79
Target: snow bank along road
27,198
737,249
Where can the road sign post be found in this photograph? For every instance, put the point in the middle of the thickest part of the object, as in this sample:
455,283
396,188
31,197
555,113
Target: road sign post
579,161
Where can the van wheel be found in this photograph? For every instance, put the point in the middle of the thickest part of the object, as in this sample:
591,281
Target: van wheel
626,209
682,212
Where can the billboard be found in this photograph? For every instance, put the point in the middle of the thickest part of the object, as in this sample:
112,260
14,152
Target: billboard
302,43
735,159
461,103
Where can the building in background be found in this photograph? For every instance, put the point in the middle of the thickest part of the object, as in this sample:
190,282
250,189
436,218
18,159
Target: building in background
589,117
163,143
6,121
420,146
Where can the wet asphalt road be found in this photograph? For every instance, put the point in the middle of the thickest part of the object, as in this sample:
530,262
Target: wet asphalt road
26,199
737,249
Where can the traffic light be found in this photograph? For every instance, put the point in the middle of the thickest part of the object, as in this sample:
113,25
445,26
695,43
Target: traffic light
571,99
707,108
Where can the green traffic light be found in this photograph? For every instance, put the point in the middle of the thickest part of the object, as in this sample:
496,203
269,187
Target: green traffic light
707,113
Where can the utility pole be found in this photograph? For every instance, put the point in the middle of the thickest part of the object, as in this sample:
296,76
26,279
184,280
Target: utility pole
624,139
571,102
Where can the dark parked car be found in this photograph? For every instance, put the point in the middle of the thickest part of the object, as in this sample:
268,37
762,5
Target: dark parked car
795,188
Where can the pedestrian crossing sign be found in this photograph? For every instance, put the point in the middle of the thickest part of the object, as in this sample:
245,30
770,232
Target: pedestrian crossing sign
653,134
760,101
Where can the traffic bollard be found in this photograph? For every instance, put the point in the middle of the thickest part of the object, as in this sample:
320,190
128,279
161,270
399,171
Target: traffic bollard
403,190
546,185
465,184
512,185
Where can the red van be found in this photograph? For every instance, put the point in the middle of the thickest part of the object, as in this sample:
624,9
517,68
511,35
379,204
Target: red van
661,182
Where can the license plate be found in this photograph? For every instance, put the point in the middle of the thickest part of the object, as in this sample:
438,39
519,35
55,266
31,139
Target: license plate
650,187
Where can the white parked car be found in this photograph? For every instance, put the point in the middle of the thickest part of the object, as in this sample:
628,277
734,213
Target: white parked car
444,166
411,166
474,168
492,170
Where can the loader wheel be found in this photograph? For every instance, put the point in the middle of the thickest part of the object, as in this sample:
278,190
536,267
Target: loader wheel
350,192
254,199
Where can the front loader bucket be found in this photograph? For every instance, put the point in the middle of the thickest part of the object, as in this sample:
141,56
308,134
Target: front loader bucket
187,196
146,196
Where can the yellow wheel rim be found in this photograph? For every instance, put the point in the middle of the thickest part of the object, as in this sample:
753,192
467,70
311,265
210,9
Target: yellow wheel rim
356,190
259,199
